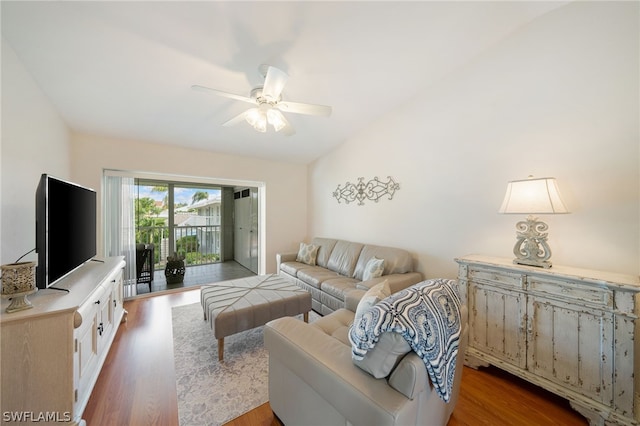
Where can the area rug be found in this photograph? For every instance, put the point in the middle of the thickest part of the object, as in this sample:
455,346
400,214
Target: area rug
212,392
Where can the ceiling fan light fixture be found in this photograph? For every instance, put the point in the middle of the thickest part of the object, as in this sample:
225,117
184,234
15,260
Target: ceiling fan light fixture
257,118
267,101
252,116
261,126
276,119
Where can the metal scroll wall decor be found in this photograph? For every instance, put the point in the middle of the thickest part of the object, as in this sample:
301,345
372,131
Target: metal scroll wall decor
373,190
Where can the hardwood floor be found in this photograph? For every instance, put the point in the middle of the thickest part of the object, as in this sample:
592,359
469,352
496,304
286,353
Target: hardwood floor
195,276
137,383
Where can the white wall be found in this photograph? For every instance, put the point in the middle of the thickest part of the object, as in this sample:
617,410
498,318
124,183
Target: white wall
558,98
35,140
285,184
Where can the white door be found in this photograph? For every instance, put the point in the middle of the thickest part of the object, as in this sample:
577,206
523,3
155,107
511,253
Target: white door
253,232
246,228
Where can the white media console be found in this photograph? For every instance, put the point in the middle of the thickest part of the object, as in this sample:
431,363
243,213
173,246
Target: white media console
52,354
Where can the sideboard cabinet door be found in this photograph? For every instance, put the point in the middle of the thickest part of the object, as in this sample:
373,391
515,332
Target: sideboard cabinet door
567,345
493,329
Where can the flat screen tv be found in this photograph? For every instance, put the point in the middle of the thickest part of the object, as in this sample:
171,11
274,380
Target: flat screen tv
65,228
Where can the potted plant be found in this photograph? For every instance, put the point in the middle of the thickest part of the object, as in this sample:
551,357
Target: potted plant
174,272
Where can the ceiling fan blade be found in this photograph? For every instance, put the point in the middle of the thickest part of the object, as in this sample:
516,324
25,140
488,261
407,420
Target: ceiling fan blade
274,82
300,108
221,93
237,119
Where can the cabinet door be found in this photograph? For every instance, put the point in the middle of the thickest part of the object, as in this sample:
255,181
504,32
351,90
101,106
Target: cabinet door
497,322
86,352
572,345
117,301
105,319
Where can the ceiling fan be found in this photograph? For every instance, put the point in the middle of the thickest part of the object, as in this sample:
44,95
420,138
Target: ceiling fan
268,103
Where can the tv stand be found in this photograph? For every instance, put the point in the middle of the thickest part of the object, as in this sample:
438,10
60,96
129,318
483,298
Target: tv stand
52,354
59,289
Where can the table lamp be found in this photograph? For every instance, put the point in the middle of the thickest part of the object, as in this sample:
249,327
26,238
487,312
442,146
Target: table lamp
532,196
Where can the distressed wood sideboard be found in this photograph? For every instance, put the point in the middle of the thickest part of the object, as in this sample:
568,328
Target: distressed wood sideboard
571,331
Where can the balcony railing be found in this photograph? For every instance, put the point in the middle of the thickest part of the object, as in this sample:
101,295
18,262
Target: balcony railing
200,245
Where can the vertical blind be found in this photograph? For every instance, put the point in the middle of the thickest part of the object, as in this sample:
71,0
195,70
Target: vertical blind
119,225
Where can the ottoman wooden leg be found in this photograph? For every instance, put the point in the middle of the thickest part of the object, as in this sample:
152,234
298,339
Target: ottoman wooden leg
305,316
220,348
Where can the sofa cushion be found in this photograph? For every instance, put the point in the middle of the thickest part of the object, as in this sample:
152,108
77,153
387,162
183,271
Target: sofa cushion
325,247
344,257
385,355
396,261
336,325
292,268
307,253
315,275
370,298
373,269
339,287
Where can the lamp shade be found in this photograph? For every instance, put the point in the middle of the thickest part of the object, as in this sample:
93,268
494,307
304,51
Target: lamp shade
533,196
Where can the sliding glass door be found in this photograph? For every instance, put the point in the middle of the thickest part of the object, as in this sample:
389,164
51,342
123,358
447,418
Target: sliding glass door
179,218
148,217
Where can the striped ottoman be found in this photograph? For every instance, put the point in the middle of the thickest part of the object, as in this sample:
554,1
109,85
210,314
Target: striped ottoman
238,305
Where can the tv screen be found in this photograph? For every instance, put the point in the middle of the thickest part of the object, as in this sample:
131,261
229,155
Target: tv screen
65,228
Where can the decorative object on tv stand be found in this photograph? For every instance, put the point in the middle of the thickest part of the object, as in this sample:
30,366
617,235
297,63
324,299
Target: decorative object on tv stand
373,190
532,196
174,272
18,281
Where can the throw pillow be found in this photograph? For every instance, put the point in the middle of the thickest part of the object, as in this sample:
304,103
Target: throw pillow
386,354
307,254
390,348
371,297
373,269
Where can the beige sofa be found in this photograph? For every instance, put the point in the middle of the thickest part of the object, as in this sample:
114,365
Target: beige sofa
313,380
339,271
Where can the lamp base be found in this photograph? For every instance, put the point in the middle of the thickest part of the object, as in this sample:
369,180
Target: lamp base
531,243
544,264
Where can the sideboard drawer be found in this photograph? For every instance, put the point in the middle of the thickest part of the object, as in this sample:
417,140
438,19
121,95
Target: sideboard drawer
502,278
570,291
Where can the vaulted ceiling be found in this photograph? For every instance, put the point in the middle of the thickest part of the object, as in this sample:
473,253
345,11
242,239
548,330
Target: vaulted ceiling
125,69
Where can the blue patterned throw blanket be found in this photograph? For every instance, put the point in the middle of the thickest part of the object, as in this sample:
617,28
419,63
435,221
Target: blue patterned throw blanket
427,315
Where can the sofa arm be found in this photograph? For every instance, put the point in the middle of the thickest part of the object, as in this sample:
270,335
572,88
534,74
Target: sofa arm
324,364
396,282
410,376
352,299
284,257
